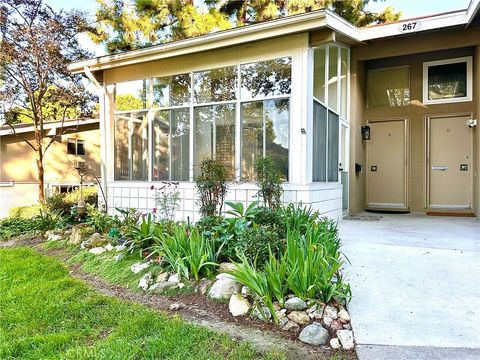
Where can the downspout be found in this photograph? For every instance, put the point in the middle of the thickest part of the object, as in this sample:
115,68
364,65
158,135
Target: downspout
103,147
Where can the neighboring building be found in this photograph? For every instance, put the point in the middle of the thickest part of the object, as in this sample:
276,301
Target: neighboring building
79,145
304,89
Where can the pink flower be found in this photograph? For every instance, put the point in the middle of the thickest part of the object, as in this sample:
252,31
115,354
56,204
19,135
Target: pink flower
154,210
152,187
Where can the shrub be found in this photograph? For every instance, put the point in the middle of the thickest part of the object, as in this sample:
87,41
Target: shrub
256,242
64,202
24,212
48,220
12,227
212,186
269,182
101,221
273,218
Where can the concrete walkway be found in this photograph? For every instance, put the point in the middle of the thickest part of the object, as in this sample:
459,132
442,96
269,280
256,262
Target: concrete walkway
416,286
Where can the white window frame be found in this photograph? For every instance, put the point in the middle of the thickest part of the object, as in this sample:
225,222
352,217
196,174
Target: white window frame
426,65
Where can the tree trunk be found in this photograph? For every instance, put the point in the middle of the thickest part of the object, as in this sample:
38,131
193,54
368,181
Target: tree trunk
41,171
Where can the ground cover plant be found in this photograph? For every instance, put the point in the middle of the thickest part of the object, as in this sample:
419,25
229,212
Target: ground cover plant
48,314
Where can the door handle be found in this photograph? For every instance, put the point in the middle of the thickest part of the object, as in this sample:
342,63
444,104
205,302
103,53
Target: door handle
440,167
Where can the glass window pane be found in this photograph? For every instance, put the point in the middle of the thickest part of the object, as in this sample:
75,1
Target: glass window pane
319,74
332,146
180,140
161,154
319,172
277,121
139,146
266,78
344,83
121,155
80,147
252,137
447,81
215,136
171,90
388,87
215,85
130,95
71,148
333,77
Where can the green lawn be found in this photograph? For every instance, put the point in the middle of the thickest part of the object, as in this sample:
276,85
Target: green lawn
46,314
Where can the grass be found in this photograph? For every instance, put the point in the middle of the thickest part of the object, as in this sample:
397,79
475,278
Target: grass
46,314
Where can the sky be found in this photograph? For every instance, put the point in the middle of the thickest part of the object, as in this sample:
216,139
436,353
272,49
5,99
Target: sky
409,8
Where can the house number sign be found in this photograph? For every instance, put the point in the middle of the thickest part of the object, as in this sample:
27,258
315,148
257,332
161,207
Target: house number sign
410,26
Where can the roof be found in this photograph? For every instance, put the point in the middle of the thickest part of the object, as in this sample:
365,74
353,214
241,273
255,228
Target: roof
288,25
53,125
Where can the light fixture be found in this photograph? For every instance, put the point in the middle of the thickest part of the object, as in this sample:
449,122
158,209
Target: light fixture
365,132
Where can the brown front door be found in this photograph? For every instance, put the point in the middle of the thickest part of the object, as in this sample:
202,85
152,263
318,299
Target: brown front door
449,162
387,165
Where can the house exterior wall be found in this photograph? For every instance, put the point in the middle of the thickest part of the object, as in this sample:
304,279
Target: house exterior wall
476,188
18,168
325,197
412,52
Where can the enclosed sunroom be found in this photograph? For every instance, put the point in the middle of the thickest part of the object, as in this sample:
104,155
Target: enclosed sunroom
271,89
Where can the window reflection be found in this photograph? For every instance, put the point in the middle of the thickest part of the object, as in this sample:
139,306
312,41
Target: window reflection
130,95
266,78
171,90
215,85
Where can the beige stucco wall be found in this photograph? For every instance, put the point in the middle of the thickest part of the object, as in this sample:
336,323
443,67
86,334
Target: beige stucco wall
388,53
18,169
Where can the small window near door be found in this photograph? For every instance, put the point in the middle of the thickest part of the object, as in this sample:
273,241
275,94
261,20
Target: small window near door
75,147
389,87
447,81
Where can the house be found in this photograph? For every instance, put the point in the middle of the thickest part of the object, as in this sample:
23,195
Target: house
78,144
379,118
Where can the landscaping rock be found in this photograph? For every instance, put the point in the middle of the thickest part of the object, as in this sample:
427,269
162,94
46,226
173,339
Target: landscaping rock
162,277
246,291
76,236
346,339
334,343
291,326
314,334
174,278
282,322
336,325
159,288
327,321
120,248
145,282
224,287
119,257
54,237
203,285
181,285
281,314
318,314
137,267
312,309
108,247
176,306
238,305
67,233
97,250
343,315
331,312
261,313
295,304
226,266
96,240
347,327
300,317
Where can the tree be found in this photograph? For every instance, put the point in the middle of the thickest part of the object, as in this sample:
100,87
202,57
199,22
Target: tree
36,45
131,24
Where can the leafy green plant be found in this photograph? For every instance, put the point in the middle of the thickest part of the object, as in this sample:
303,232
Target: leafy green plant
101,221
238,210
297,216
48,220
276,273
212,187
12,227
188,253
246,273
65,201
128,217
269,181
140,237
